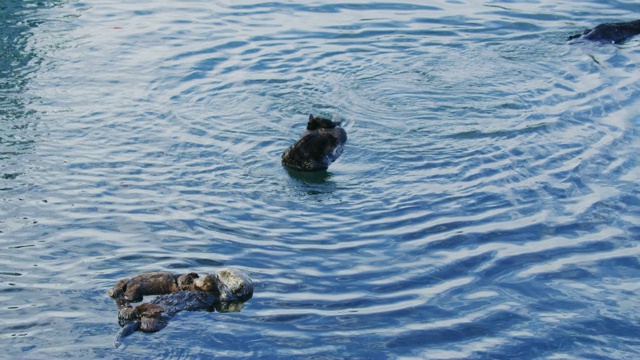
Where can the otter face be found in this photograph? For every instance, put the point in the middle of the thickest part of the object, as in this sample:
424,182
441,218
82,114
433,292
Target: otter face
234,286
185,282
206,283
118,290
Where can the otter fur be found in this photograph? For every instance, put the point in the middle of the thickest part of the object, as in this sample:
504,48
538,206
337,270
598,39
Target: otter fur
225,292
614,33
157,283
320,145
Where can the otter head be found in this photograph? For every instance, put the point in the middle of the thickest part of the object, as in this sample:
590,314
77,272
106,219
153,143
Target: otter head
234,285
316,122
206,283
185,282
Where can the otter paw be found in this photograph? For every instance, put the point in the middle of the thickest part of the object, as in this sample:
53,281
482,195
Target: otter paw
127,314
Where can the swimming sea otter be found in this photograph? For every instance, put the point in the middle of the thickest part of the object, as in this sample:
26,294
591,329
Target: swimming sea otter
320,145
227,290
610,32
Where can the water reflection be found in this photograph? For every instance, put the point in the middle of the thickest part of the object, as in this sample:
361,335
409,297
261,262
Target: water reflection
313,177
19,60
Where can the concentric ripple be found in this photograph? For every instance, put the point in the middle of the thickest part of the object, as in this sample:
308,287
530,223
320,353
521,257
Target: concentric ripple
485,206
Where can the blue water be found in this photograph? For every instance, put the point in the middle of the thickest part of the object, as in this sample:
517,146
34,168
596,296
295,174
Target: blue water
486,205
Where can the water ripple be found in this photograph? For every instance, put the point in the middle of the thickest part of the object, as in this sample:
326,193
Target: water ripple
485,205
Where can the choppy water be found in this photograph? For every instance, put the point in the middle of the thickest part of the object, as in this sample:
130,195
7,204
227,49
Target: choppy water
486,204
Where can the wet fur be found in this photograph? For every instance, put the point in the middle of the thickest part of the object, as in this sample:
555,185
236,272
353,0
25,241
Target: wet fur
320,145
226,291
615,33
158,283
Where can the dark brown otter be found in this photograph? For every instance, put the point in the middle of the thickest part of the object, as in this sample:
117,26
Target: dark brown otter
157,283
610,32
320,145
228,289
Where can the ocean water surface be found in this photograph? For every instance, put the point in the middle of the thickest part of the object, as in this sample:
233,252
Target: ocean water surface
486,205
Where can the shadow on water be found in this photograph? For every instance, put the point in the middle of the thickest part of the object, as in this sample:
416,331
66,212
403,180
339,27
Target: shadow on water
312,183
312,177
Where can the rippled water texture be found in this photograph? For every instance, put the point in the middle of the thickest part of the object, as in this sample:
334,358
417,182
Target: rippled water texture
486,204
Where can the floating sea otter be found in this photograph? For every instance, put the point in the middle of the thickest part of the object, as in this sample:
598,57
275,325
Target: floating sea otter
156,283
225,291
610,32
320,145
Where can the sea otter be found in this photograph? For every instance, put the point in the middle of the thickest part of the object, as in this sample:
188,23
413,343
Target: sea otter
157,283
231,288
610,32
320,145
